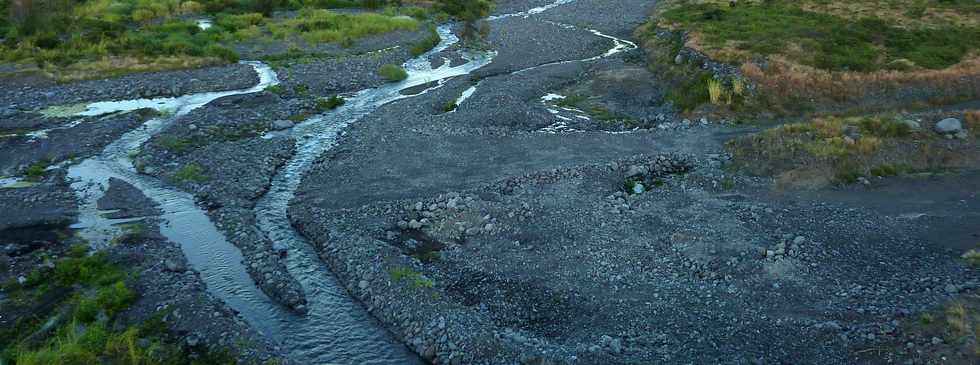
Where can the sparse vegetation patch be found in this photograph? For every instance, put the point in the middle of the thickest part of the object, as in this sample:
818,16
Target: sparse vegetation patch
844,149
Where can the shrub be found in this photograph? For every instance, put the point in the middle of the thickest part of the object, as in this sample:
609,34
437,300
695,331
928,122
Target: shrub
972,258
414,279
191,172
35,170
424,45
333,102
393,72
449,106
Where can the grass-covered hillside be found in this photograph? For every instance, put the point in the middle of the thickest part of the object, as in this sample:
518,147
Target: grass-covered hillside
92,38
809,51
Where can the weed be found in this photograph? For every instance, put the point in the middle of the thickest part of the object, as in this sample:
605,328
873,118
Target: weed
424,45
691,92
449,106
191,172
333,102
319,25
414,279
298,117
36,170
972,258
276,89
392,72
175,144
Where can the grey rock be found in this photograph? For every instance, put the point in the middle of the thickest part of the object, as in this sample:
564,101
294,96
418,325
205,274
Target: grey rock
173,266
913,125
949,126
282,124
636,170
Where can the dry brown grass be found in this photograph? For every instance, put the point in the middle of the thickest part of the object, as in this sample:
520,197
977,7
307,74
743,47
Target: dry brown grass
784,84
972,120
116,66
814,154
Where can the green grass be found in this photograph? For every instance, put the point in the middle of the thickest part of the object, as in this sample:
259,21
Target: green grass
36,170
91,38
412,278
89,330
827,42
333,102
449,106
320,25
392,72
212,134
972,258
191,172
842,149
690,93
424,45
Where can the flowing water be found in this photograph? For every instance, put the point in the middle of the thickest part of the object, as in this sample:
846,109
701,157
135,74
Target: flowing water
336,328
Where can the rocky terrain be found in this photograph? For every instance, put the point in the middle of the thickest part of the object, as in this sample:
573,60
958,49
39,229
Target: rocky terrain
533,201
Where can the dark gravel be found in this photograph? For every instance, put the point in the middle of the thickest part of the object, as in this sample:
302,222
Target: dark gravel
145,85
78,138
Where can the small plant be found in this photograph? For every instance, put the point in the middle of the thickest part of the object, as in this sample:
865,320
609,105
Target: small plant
728,183
175,144
275,89
333,102
191,172
972,258
424,45
414,279
449,106
392,72
714,91
298,117
301,89
35,170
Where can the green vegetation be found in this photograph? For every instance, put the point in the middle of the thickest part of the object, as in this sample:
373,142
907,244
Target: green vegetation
211,134
972,258
469,12
392,72
842,149
298,117
414,279
449,106
191,172
432,40
319,25
822,40
86,38
36,170
86,293
333,102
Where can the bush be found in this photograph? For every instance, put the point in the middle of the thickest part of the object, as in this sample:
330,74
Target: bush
449,106
424,45
333,102
191,172
393,72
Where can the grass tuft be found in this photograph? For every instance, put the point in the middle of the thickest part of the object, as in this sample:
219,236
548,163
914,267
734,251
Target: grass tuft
393,72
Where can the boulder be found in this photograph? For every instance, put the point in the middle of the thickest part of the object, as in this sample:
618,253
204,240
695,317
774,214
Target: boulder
949,126
282,124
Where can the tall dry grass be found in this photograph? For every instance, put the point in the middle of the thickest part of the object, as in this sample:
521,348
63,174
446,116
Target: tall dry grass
784,84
